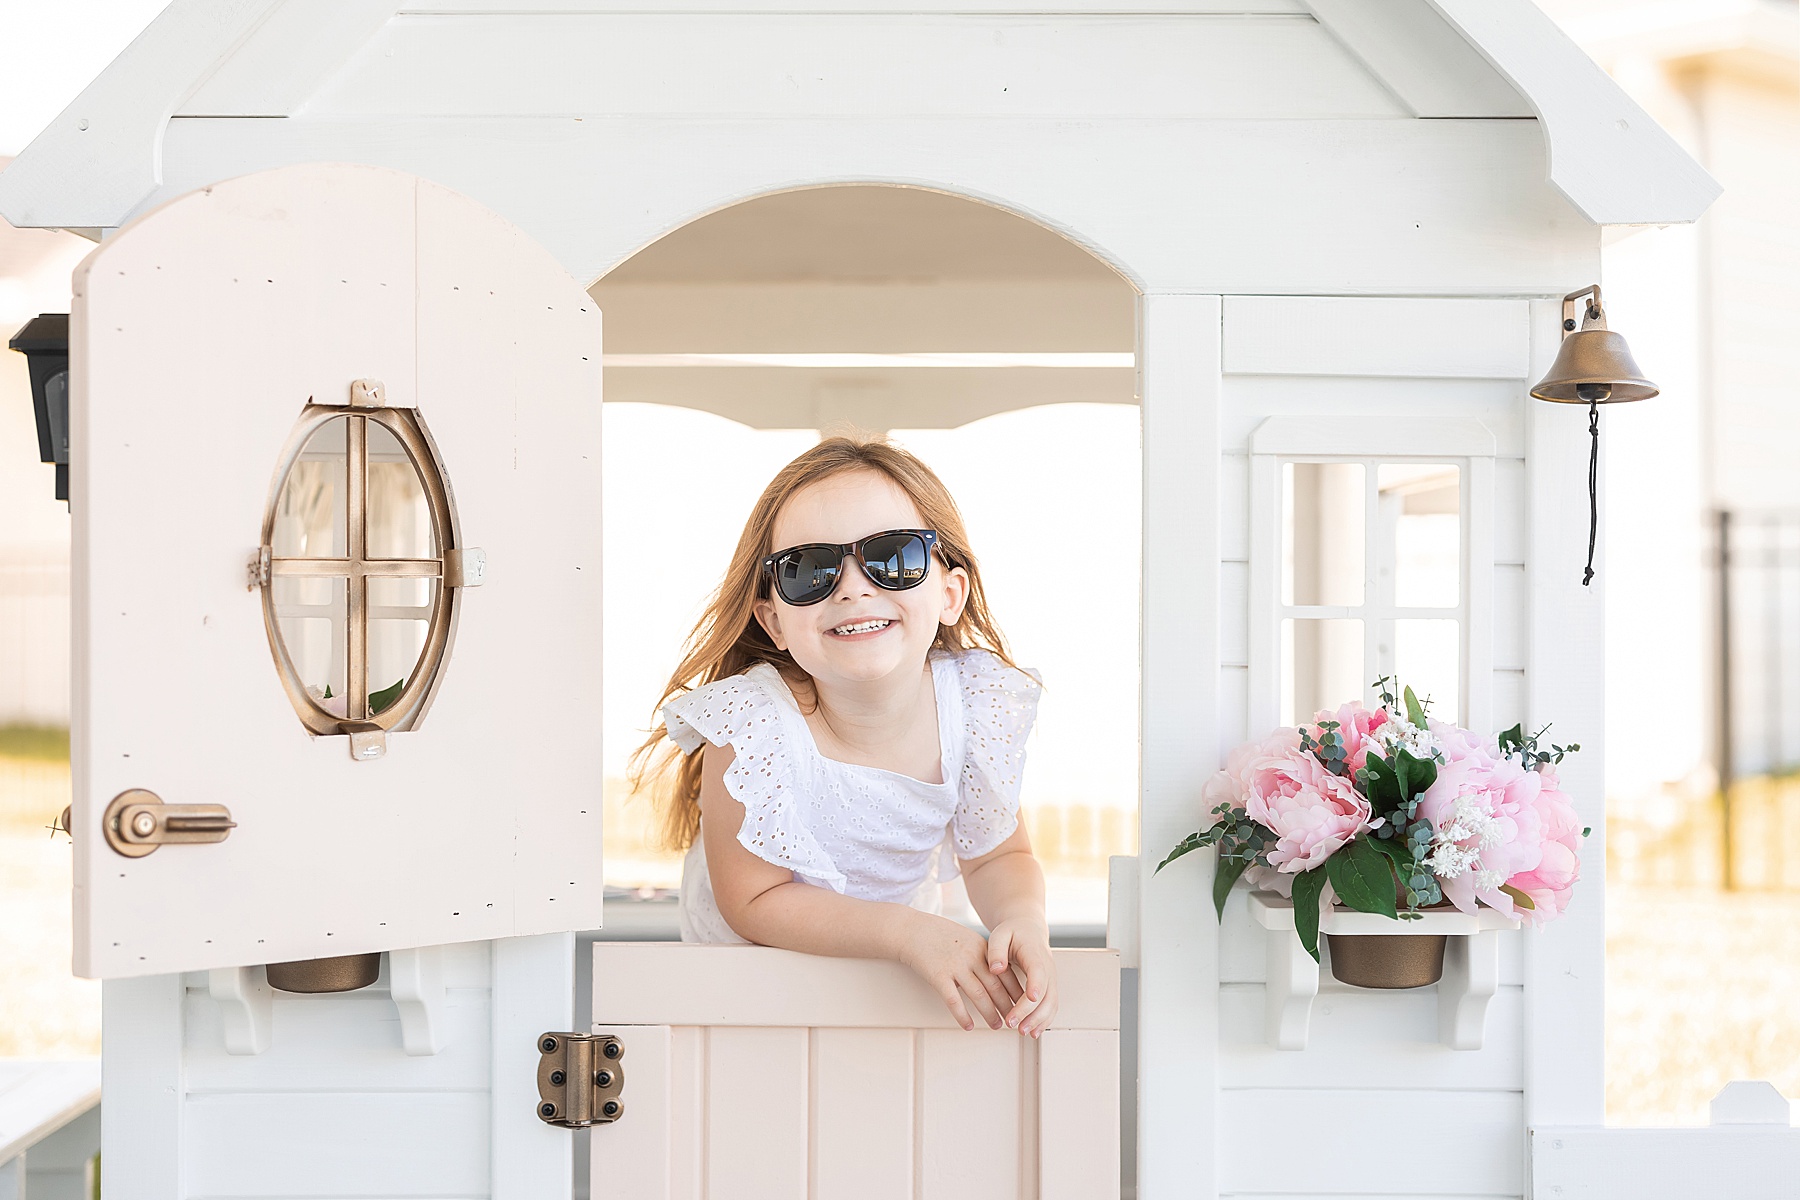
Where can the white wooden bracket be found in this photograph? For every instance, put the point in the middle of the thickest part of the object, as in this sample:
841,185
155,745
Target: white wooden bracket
1471,967
416,982
246,1005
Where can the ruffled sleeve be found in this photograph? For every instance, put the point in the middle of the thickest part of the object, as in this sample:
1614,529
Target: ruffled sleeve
999,708
766,770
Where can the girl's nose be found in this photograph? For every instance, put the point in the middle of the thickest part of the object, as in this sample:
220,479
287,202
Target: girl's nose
855,581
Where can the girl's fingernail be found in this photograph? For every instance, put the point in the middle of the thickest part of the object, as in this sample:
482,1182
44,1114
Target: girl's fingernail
1034,994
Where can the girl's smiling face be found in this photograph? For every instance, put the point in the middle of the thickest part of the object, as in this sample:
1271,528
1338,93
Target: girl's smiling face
860,633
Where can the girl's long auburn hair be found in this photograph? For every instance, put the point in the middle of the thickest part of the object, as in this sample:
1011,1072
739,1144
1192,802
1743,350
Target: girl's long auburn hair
728,639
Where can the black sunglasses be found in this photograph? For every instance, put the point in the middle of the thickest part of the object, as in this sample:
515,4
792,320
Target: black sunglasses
894,560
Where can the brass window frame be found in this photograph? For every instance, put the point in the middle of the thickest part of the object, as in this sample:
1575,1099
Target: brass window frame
357,568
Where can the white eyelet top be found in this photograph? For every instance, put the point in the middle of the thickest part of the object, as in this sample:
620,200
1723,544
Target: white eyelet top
860,831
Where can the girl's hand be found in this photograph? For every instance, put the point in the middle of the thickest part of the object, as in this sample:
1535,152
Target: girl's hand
1022,946
954,961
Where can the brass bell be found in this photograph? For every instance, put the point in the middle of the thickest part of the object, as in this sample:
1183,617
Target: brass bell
1593,366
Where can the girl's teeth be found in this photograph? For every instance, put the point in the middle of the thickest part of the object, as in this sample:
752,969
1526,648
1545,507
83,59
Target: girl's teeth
861,627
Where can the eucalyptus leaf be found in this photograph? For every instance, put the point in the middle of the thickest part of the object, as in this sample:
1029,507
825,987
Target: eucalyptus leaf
1189,844
1362,878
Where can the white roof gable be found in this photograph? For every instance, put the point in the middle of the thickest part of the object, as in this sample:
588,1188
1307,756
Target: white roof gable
99,162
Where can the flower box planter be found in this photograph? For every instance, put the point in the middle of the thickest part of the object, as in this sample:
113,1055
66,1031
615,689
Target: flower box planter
1471,972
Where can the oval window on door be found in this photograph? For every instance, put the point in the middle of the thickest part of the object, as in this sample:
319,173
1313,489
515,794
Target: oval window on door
354,565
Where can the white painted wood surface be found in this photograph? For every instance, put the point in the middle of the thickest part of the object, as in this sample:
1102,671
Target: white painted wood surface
1613,162
1178,994
776,1074
49,1128
336,1105
306,278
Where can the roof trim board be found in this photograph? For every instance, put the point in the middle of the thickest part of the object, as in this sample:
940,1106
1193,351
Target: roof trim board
101,158
1608,156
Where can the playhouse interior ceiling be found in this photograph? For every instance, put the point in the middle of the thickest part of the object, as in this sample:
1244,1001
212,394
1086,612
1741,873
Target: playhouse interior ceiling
787,285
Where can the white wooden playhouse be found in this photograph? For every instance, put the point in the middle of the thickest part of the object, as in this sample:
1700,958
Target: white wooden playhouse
1332,236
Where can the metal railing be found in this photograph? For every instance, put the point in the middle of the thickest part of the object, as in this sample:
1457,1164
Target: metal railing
1756,656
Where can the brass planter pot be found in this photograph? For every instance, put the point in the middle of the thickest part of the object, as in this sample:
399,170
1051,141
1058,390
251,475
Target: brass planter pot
1403,960
344,973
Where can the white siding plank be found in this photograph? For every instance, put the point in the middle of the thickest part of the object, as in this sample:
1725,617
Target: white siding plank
1078,1084
1360,1037
756,1114
1234,614
1512,616
346,1042
1509,510
1234,508
633,1158
970,1134
1463,1143
1234,709
1310,335
844,64
337,1144
862,1113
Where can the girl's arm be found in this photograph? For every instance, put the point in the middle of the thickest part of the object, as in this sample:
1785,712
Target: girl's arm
1006,886
764,904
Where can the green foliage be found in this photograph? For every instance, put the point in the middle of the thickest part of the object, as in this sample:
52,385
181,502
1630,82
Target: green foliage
1415,712
1516,743
1519,898
1307,886
1362,878
386,696
1241,842
44,743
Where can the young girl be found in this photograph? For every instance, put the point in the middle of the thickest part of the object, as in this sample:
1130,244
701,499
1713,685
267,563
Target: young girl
848,732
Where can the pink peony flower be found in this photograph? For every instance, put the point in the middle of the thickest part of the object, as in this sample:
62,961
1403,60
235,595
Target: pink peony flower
1357,726
1310,811
1231,785
1550,883
1496,823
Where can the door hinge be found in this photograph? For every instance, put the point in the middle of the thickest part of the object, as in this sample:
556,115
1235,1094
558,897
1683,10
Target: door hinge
579,1079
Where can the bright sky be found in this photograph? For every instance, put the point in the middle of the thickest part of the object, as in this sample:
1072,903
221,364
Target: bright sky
51,51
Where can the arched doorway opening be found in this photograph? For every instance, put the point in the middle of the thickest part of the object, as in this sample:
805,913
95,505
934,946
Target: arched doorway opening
996,349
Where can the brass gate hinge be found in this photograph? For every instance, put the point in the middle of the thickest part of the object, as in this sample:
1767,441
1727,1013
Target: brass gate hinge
579,1079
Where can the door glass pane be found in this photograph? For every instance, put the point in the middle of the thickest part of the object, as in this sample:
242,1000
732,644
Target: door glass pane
399,618
1322,533
1421,517
399,518
1428,658
1321,666
311,614
309,515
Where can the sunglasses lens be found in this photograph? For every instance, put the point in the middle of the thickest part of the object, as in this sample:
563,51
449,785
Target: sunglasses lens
806,575
896,561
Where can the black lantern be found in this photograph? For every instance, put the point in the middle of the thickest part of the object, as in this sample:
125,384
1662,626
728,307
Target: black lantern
44,341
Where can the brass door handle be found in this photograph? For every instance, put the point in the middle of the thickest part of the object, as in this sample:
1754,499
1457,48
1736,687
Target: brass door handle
137,822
